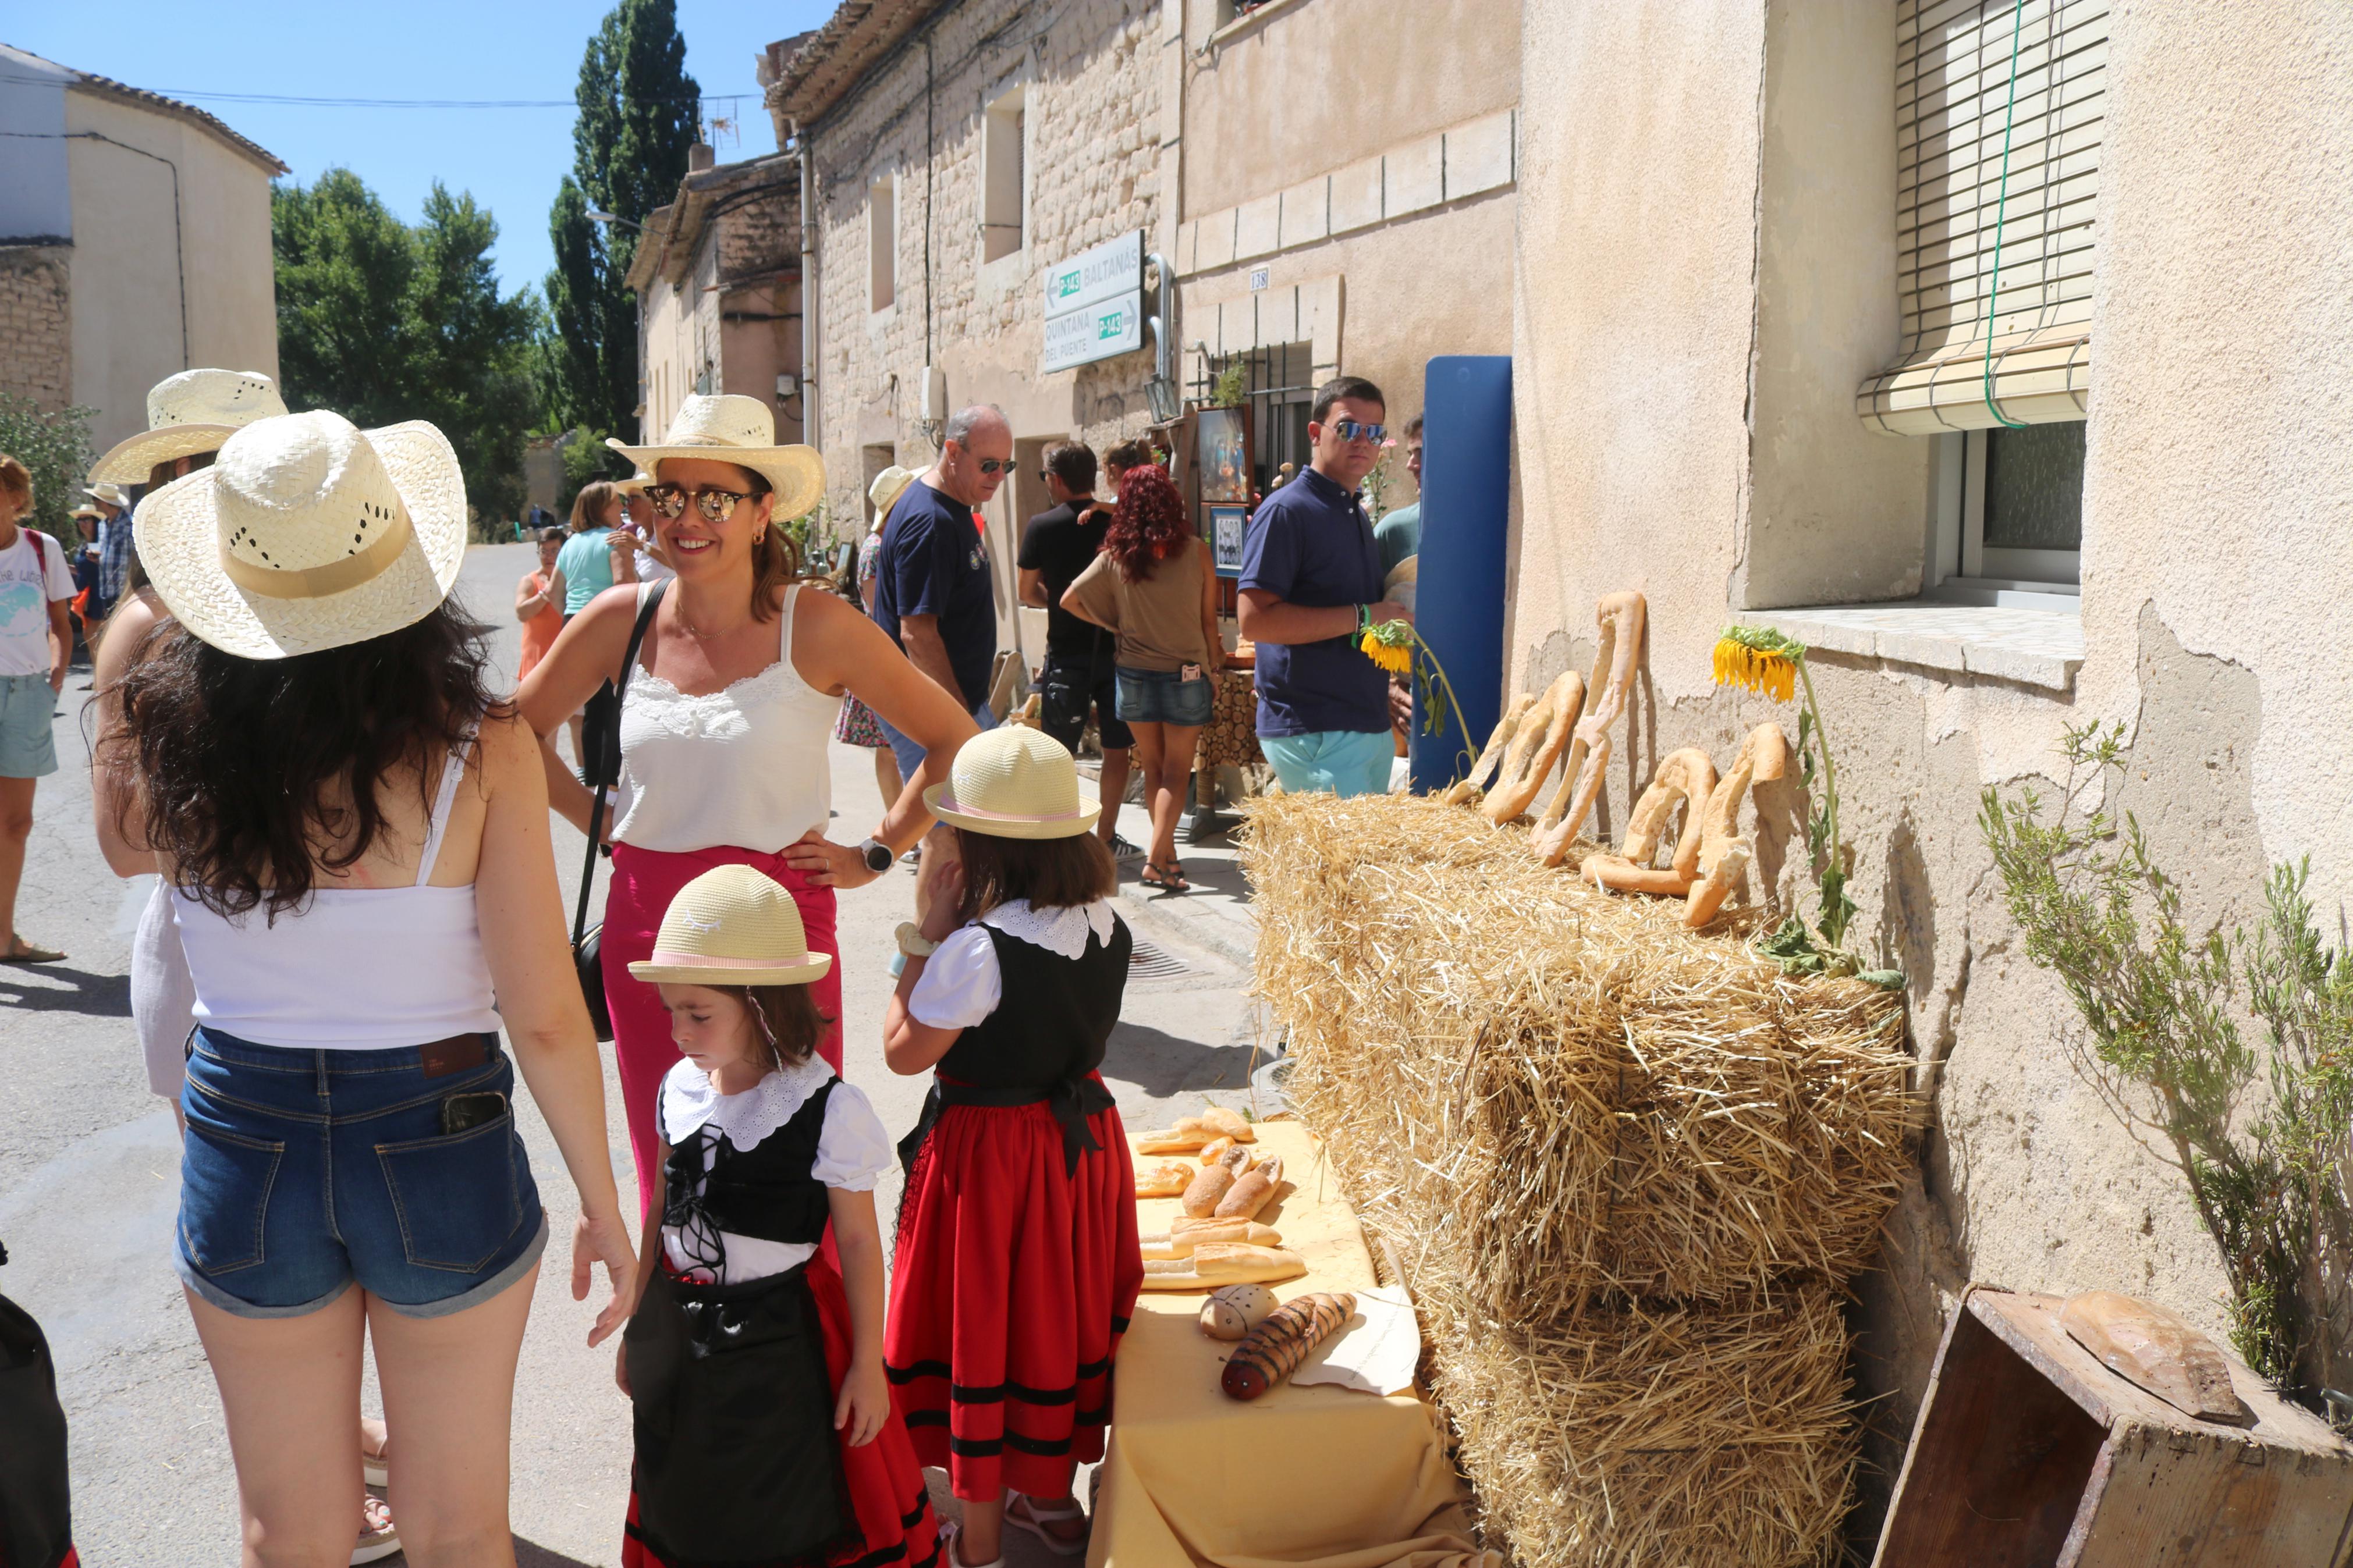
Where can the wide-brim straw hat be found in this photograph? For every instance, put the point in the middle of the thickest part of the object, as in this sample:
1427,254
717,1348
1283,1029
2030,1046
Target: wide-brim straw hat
112,495
308,533
195,411
732,926
888,487
1014,782
733,429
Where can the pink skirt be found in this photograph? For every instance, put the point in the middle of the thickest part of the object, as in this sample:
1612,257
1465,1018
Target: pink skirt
644,882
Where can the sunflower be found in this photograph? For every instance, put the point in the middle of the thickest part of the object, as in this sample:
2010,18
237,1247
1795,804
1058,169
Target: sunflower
1759,659
1389,645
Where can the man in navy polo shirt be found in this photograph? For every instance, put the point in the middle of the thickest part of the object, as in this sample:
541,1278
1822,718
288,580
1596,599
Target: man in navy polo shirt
1311,582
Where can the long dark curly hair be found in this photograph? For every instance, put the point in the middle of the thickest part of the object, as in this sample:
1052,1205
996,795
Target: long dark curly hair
246,767
1149,524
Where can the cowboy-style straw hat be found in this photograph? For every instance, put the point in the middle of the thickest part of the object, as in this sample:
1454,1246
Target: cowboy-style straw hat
308,533
111,495
192,412
888,487
733,429
732,926
1014,782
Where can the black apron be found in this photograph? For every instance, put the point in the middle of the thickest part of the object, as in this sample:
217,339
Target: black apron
736,1454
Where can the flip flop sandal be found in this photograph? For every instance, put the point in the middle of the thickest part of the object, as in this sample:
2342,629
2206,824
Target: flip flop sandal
1035,1520
378,1537
26,952
374,1469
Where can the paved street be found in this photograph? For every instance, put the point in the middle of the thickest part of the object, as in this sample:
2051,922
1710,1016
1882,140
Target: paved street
89,1171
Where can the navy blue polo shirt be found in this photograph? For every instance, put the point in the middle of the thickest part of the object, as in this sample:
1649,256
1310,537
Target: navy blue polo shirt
932,563
1311,545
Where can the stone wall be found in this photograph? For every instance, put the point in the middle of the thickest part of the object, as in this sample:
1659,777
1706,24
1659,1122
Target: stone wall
36,323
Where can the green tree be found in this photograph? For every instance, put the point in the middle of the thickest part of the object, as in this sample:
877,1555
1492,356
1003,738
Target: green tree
384,322
56,451
639,113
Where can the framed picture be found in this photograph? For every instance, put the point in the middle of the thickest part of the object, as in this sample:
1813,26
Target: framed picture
1222,445
1226,523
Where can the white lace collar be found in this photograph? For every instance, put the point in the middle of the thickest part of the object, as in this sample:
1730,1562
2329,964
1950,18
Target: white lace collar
689,1100
1061,930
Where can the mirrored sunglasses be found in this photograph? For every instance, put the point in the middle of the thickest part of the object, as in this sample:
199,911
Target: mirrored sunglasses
715,505
1358,431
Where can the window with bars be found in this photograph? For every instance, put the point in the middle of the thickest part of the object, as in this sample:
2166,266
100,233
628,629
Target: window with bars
1279,390
2000,109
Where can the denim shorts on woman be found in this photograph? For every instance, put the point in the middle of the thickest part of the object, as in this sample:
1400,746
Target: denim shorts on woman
28,744
1163,697
304,1172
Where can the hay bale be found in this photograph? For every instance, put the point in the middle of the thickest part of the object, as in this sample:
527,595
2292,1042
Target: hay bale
1594,1101
1702,1436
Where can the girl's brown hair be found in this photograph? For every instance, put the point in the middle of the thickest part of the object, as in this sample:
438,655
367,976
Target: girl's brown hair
786,1019
589,506
15,479
1052,873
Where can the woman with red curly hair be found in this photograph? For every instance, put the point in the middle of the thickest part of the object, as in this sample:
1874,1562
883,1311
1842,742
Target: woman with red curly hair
1154,586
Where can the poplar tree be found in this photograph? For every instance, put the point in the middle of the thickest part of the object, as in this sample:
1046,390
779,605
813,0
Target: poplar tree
639,113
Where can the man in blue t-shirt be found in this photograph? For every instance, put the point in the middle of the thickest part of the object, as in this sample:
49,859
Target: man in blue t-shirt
930,586
1311,582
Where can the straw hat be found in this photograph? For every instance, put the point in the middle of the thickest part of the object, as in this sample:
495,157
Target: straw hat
308,533
111,495
731,429
91,512
888,487
189,413
732,926
1014,782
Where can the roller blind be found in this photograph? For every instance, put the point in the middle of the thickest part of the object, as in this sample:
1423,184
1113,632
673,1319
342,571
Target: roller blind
1956,80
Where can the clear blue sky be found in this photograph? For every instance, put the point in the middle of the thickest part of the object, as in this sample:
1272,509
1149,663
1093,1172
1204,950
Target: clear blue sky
508,158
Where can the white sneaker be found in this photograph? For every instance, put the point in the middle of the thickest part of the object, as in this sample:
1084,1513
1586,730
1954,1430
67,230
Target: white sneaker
950,1557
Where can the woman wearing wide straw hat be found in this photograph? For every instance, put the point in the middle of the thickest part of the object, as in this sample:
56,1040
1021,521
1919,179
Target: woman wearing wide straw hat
725,718
356,836
858,726
1017,1262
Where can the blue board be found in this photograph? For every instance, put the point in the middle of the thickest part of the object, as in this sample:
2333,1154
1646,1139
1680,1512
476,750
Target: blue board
1466,495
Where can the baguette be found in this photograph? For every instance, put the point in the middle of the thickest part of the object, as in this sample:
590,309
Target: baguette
1252,1192
1183,1243
1195,1132
1275,1350
1224,1263
1166,1179
1201,1197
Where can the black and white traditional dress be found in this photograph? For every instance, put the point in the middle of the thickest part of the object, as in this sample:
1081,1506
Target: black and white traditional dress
741,1342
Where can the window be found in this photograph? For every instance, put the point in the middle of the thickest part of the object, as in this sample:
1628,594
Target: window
882,243
2011,508
1279,390
1004,171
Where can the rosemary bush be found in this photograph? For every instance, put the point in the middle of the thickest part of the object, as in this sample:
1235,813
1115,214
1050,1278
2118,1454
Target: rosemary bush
2259,1130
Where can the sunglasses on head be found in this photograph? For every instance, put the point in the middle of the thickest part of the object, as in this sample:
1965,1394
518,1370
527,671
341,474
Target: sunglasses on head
1358,431
715,505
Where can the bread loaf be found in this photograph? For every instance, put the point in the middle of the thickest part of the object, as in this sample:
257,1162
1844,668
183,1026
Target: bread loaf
1192,1132
1166,1179
1252,1192
1216,1149
1275,1350
1202,1195
1181,1243
1222,1263
1233,1310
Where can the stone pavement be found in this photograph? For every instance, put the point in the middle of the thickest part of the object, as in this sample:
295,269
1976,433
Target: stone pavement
89,1169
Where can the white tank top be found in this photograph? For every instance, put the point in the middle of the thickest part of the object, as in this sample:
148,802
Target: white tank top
744,767
354,969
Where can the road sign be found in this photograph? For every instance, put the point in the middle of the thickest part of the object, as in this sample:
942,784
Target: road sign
1104,272
1098,332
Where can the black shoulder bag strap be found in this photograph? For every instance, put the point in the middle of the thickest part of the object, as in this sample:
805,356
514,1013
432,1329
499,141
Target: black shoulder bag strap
584,956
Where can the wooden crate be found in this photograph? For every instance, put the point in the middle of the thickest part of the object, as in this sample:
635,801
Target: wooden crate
2029,1453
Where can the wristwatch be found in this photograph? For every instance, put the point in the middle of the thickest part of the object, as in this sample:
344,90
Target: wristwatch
877,855
914,942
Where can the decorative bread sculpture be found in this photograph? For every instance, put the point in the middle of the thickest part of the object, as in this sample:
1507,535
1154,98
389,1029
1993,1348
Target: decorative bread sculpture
1275,1350
1620,617
1222,1263
1724,855
1233,1310
1471,787
1535,745
1686,778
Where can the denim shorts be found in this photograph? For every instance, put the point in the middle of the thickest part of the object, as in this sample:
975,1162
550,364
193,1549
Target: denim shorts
28,748
910,754
1163,697
305,1172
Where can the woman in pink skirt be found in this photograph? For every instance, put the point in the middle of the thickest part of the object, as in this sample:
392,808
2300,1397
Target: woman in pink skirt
725,720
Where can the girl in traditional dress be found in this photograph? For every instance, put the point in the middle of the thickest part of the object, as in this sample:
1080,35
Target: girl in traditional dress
765,1434
1017,1258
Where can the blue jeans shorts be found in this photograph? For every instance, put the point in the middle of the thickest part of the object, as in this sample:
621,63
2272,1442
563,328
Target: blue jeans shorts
305,1172
1332,761
1163,697
910,754
28,748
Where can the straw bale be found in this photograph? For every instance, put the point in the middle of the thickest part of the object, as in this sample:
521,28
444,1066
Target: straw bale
1700,1436
1580,1098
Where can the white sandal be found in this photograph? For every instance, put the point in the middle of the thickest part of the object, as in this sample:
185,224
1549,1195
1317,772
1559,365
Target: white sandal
376,1542
374,1469
1035,1520
949,1530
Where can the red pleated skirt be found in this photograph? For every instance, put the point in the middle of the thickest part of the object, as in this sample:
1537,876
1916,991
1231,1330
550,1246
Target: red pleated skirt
884,1479
1010,1287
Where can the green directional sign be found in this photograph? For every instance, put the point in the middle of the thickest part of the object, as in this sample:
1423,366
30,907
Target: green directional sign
1093,276
1094,331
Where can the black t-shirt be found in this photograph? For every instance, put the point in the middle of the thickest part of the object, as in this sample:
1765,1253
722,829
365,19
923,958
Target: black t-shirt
1058,544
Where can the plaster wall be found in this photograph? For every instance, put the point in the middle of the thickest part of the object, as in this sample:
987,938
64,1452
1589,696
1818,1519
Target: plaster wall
1703,277
128,261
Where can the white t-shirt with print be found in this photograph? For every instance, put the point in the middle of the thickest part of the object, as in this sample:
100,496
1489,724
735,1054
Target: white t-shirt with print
24,596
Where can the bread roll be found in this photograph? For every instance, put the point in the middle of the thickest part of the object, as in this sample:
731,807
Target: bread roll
1250,1192
1216,1149
1166,1179
1202,1195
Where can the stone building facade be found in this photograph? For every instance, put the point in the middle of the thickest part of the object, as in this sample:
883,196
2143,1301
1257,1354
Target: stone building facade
1733,217
36,323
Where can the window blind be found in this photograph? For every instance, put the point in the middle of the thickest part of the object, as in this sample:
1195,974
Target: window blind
1984,348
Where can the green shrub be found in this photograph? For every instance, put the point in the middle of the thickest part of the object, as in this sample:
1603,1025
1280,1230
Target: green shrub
55,449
